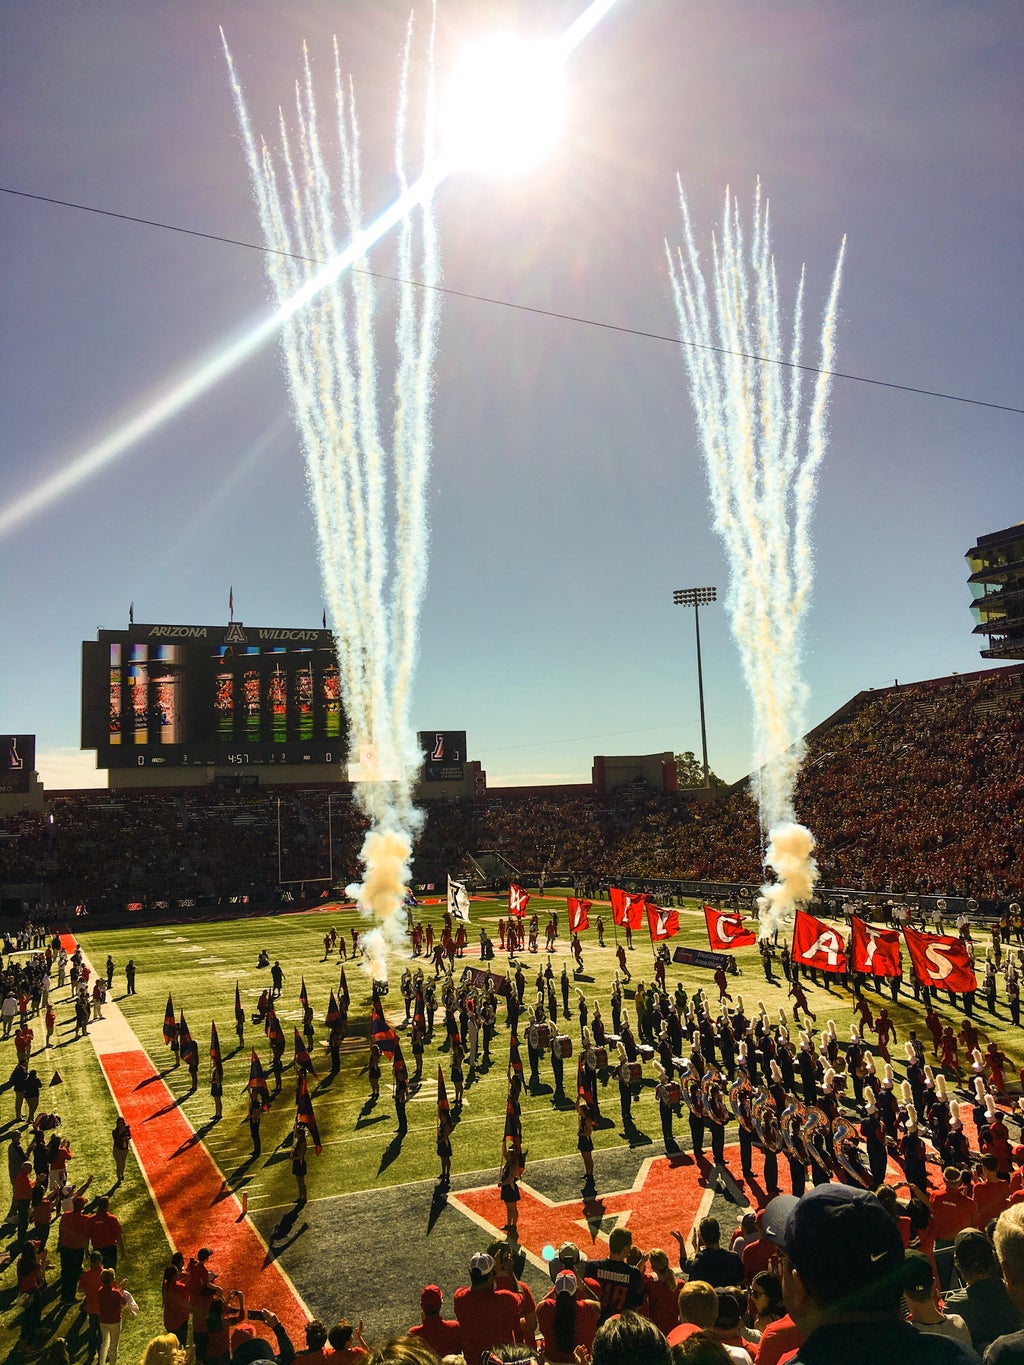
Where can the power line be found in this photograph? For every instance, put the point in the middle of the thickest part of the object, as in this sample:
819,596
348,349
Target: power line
520,307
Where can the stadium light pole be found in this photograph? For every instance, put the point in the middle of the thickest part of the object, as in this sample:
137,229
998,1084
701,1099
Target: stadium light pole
697,598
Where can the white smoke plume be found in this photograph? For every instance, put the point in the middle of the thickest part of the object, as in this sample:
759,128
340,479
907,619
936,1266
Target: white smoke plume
763,446
367,492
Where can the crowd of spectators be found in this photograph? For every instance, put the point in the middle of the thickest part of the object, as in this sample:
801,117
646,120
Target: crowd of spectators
911,789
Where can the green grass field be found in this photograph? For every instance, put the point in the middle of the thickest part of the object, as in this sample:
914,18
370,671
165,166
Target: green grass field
199,965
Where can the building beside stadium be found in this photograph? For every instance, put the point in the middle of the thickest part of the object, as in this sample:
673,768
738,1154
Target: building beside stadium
997,587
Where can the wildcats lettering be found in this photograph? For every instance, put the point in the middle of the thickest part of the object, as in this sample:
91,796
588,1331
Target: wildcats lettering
305,635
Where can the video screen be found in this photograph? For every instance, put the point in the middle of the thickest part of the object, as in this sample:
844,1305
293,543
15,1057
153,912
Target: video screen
180,695
444,755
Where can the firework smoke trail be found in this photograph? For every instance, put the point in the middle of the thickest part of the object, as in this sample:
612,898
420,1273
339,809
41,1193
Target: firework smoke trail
373,578
763,446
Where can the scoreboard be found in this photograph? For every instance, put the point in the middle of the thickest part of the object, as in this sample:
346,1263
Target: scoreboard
444,755
17,762
237,695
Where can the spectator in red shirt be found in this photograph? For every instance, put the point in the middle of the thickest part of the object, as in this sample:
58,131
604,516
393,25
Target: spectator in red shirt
443,1335
105,1233
111,1300
23,1187
89,1286
75,1226
488,1316
567,1318
661,1292
176,1298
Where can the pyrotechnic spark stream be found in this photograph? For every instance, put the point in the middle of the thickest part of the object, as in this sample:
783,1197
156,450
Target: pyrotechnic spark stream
181,393
763,447
373,576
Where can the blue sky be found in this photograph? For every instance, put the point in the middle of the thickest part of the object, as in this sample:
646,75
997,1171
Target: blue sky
567,494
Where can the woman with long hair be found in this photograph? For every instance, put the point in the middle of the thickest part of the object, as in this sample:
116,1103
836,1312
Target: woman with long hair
567,1318
508,1184
585,1141
661,1291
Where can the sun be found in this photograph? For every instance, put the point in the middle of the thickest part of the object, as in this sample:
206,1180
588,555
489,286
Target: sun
505,105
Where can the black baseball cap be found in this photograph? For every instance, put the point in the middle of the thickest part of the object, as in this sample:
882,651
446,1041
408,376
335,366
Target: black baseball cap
840,1239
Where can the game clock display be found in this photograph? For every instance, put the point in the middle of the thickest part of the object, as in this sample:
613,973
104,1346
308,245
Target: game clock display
229,695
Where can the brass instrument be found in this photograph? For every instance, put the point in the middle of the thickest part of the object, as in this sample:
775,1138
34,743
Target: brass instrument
815,1121
793,1117
714,1101
693,1096
765,1122
740,1093
844,1147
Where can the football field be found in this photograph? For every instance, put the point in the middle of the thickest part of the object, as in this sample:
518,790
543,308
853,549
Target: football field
375,1227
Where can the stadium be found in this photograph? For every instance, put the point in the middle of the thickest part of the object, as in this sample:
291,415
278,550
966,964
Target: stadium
197,879
383,976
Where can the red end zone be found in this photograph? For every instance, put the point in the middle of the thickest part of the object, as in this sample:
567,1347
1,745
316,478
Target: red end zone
187,1185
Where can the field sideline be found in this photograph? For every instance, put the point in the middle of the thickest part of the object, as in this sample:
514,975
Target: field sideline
367,1191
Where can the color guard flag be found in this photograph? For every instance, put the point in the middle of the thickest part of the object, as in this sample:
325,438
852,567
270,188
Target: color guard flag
381,1031
940,961
302,993
518,899
583,1089
333,1013
273,1029
304,1114
239,1012
515,1061
874,952
302,1057
443,1107
343,987
726,929
579,918
458,901
816,944
662,923
419,1014
214,1045
258,1082
184,1034
170,1024
627,908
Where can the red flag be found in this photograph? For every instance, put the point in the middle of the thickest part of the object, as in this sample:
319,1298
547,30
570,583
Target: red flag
726,929
816,944
304,1114
273,1028
517,900
333,1015
258,1081
302,993
940,961
239,1012
381,1031
627,908
515,1062
170,1023
578,916
662,923
214,1045
875,952
443,1107
302,1057
343,988
184,1034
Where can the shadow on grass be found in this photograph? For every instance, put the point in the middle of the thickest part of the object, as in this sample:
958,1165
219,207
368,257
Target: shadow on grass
391,1152
283,1236
438,1204
196,1137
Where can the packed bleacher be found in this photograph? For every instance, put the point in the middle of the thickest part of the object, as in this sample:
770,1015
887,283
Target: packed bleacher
911,789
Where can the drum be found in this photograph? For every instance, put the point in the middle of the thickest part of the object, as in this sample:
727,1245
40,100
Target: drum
544,1035
673,1093
601,1053
635,1072
646,1052
563,1045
